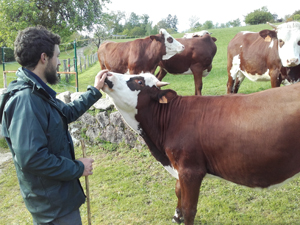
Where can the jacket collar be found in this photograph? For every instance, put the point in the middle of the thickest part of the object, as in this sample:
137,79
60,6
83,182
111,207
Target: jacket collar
31,77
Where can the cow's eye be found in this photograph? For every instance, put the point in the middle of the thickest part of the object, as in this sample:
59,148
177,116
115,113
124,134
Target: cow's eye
281,43
140,82
299,43
170,40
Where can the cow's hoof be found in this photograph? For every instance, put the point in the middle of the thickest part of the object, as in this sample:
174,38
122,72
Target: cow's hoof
177,220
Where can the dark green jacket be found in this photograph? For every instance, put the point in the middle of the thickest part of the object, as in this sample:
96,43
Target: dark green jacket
42,148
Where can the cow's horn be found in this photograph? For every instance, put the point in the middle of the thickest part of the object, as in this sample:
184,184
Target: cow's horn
272,25
161,84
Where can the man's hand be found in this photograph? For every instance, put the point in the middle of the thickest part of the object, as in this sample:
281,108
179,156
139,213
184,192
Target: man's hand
100,78
88,166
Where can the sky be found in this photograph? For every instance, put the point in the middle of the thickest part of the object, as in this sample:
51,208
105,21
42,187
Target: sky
218,11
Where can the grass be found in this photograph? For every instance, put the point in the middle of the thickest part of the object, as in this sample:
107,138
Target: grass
130,187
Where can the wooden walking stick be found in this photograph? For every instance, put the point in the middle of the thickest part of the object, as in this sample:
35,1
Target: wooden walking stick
87,187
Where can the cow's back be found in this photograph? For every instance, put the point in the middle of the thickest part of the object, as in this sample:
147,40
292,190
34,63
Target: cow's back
114,56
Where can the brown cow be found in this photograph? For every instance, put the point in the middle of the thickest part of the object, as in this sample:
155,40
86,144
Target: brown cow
260,56
196,59
140,55
234,137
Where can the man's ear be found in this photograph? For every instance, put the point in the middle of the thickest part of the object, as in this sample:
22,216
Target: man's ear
44,57
268,35
166,96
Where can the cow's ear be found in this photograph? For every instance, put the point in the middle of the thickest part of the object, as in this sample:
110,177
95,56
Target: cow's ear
268,35
165,96
214,39
154,37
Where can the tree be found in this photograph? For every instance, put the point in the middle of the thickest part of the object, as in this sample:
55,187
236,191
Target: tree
170,23
101,34
62,17
259,16
208,25
235,23
193,22
197,26
137,31
296,15
133,21
162,24
113,22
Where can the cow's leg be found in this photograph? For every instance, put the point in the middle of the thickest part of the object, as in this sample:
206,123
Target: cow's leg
234,82
235,76
230,84
161,74
276,79
197,72
178,217
238,81
190,187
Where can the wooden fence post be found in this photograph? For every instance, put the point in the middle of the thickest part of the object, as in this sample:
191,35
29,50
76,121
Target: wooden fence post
80,66
66,69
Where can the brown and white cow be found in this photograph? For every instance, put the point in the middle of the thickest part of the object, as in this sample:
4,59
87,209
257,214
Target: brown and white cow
140,55
261,56
234,137
195,59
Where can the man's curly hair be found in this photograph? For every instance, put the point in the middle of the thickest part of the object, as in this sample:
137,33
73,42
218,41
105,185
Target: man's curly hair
31,43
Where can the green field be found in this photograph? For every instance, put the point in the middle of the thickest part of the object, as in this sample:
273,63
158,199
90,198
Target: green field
130,187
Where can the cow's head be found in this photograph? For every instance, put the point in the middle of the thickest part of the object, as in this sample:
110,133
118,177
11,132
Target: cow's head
131,92
288,36
172,45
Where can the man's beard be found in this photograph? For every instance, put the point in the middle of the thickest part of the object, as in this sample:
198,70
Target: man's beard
50,74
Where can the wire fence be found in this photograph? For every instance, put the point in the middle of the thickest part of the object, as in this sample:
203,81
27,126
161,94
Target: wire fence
76,62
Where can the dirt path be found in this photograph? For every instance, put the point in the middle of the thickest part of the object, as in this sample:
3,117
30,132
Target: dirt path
3,158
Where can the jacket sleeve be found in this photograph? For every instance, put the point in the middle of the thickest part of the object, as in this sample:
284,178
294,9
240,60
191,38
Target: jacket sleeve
75,109
26,123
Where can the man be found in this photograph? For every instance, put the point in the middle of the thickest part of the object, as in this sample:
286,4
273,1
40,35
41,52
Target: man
35,125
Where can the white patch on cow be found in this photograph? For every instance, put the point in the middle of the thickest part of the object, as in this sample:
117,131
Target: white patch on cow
172,171
235,66
247,32
285,82
257,77
205,73
176,215
118,95
124,98
236,72
289,53
271,44
171,48
188,72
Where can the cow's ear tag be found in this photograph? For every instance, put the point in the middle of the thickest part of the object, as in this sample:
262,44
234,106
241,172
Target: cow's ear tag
163,100
268,39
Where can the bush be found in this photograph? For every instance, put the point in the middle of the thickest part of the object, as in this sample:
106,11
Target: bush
259,16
